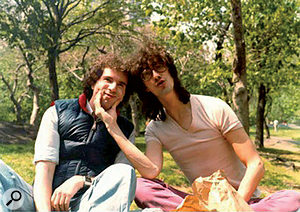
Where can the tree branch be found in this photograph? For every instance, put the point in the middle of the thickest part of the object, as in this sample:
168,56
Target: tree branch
85,16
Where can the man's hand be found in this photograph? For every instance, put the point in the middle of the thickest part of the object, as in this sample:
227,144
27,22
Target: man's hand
109,116
62,195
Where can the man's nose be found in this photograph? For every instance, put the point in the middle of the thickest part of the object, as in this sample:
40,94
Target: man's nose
112,86
156,74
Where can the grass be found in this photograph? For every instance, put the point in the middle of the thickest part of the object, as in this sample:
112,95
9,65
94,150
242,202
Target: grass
19,157
289,133
277,177
293,134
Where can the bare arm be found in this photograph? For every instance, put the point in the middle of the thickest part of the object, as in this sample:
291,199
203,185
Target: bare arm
245,150
60,200
146,167
62,195
43,185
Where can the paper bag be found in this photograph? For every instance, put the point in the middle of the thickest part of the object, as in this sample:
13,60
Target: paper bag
213,193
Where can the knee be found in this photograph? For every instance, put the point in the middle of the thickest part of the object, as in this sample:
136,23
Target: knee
123,168
145,186
120,171
293,196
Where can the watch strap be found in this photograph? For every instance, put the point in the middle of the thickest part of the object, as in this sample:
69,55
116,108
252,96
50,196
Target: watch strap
87,181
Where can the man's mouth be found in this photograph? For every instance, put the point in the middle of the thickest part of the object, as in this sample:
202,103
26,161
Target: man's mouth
109,96
160,82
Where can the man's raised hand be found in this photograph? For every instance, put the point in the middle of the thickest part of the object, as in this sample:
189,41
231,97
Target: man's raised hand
109,116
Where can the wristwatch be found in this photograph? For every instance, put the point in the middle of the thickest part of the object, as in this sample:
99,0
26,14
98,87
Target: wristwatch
87,181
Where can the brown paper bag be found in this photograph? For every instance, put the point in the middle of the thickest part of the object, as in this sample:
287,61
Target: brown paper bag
213,193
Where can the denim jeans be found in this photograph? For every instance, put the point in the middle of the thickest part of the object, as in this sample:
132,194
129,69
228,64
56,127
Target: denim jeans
112,190
9,179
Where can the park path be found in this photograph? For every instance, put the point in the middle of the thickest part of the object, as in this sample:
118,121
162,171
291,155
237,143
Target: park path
283,144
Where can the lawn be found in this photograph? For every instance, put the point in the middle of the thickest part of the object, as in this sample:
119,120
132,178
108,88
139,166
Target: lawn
277,176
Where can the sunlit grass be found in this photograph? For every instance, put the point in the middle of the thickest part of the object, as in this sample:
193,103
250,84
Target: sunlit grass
288,133
19,157
277,177
294,134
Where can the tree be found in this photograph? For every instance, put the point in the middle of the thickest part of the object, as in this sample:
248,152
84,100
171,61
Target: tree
12,89
240,93
57,26
190,30
271,36
192,24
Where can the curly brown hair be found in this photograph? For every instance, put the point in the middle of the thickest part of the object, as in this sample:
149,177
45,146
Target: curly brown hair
109,60
152,56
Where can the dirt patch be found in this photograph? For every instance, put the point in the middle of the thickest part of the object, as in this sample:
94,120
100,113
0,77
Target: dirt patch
11,133
283,144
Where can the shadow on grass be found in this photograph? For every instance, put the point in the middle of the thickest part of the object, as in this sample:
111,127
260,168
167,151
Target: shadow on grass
277,151
279,157
16,148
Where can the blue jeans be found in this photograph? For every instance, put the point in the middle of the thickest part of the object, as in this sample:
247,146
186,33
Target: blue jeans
112,190
9,179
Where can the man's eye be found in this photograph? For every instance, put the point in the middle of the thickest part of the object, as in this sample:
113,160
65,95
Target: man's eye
121,85
108,79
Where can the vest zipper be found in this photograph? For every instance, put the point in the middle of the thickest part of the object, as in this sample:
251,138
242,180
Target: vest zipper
91,133
77,170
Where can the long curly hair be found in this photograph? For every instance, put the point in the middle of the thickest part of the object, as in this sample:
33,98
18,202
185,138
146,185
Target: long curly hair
151,56
109,60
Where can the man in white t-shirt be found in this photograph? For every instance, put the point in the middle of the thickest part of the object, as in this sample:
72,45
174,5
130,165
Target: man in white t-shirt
201,133
79,158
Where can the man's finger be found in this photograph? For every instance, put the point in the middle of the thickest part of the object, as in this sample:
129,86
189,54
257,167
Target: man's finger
97,101
67,203
62,202
53,201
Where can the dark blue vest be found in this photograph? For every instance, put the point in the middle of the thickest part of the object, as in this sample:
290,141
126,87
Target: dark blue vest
84,149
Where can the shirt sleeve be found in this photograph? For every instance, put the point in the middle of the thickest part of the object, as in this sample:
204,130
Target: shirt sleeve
121,158
226,119
47,141
150,135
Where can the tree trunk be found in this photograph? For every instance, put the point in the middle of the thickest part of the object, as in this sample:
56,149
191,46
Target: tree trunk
31,86
260,116
134,114
240,93
35,107
16,103
17,108
52,56
267,128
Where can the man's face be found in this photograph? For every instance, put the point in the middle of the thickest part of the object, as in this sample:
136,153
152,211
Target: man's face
112,84
159,81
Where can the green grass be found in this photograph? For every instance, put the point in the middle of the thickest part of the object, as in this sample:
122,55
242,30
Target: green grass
288,133
19,157
277,177
294,134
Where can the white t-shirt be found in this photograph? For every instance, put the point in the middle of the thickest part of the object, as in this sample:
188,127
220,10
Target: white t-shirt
202,149
47,141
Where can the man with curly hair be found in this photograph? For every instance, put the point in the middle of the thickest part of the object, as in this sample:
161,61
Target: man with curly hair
202,134
79,162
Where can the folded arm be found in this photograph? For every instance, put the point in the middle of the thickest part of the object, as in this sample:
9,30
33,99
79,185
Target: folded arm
148,167
245,150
